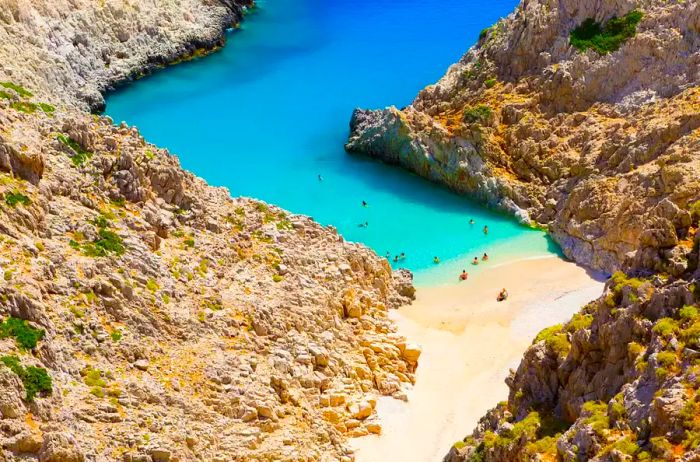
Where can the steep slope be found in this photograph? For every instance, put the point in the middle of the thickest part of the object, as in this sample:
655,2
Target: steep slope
73,50
580,116
619,382
146,316
174,322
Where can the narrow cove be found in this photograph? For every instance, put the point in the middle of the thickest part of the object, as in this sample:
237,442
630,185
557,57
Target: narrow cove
267,117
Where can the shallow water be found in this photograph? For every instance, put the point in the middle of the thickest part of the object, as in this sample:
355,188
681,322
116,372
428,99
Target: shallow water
269,113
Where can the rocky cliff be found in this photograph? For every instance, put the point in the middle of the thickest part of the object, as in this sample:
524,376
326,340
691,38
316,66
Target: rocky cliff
74,50
576,115
144,315
618,382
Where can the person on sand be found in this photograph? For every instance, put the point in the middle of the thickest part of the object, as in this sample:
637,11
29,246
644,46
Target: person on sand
475,261
471,221
485,257
464,276
436,260
486,229
503,295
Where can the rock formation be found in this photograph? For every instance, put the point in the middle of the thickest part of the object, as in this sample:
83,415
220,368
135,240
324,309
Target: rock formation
74,50
144,315
582,117
596,142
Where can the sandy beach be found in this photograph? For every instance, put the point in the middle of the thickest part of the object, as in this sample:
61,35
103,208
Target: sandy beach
469,342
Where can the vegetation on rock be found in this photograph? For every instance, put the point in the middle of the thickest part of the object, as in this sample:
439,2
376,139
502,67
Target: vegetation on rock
608,37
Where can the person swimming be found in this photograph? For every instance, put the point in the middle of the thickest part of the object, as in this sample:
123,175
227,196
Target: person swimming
363,225
403,256
486,229
396,258
436,260
471,221
364,203
320,178
464,276
503,295
485,257
475,261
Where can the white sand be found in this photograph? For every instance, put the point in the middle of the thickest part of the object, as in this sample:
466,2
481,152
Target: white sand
469,342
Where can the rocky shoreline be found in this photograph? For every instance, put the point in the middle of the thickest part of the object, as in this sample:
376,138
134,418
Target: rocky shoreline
73,52
595,147
144,315
581,117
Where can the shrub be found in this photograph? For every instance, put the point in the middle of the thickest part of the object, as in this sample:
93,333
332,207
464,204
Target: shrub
14,198
579,321
115,335
80,156
107,242
35,379
691,335
666,358
152,285
189,242
490,83
26,336
277,278
18,89
597,416
477,114
608,37
555,339
24,106
695,211
688,312
47,108
665,327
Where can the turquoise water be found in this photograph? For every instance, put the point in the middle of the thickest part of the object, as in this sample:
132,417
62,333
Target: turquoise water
269,113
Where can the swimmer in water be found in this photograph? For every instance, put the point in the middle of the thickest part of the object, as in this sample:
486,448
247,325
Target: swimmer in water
475,261
464,276
486,229
485,257
436,260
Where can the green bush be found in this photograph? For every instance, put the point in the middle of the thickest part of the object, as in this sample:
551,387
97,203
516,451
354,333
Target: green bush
26,336
490,83
24,106
115,335
18,89
35,379
477,114
80,156
597,416
107,242
666,327
608,37
555,339
14,198
688,312
666,358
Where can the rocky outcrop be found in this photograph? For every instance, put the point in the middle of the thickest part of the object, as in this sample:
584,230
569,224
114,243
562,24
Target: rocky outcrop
146,316
73,51
619,382
598,146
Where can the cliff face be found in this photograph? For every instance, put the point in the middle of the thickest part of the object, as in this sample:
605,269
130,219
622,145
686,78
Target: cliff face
597,141
73,50
619,382
174,322
146,316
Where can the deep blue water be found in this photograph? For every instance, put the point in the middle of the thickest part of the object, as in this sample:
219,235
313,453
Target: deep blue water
269,113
